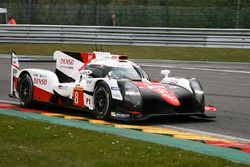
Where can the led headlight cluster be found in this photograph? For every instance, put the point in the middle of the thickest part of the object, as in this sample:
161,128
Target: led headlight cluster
196,87
132,94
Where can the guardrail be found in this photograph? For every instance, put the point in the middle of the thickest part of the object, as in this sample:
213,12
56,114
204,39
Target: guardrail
137,36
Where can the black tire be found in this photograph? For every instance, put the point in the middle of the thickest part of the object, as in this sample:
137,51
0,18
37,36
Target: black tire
102,101
25,90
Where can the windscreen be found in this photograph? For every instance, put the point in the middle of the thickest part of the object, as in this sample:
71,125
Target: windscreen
128,72
121,71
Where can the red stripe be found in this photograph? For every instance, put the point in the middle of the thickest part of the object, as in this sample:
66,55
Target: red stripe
15,66
166,94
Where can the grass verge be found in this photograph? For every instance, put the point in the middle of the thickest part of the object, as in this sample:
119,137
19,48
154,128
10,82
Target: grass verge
26,143
138,52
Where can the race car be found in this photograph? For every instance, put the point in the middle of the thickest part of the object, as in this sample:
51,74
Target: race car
107,85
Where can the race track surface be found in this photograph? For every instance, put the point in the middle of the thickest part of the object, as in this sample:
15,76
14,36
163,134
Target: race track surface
226,86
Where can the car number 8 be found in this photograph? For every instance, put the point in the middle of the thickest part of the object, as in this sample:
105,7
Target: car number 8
76,97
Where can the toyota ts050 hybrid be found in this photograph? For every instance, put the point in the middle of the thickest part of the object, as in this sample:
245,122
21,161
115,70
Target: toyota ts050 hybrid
109,86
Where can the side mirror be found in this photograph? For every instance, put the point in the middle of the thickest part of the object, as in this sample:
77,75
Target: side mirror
85,75
109,74
86,72
165,72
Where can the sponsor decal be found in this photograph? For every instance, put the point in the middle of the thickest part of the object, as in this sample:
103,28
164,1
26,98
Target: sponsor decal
42,76
115,88
62,87
40,81
67,61
66,67
120,115
88,82
88,101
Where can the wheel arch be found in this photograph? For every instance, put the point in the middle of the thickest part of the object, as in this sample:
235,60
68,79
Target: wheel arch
23,72
22,78
103,87
20,75
113,87
98,81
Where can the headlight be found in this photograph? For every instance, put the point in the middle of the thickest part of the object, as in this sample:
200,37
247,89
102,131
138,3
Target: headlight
196,87
132,94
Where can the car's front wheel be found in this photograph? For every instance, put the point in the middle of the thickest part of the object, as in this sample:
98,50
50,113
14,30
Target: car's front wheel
102,101
25,90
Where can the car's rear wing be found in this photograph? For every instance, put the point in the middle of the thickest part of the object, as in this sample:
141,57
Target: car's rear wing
13,74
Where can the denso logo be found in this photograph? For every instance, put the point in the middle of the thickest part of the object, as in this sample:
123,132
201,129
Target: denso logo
40,81
67,61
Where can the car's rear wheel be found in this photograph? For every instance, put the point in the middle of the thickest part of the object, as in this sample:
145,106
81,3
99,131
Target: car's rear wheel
102,101
25,90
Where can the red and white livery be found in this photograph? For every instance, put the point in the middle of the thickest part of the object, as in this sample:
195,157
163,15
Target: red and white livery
110,86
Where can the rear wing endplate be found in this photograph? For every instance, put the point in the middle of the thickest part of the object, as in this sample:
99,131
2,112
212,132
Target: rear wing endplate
15,68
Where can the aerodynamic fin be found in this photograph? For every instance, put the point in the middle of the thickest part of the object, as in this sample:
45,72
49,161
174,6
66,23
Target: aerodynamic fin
68,64
14,70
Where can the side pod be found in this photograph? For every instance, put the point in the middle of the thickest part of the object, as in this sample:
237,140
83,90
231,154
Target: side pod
14,70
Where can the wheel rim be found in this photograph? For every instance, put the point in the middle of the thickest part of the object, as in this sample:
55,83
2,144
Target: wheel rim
25,90
101,101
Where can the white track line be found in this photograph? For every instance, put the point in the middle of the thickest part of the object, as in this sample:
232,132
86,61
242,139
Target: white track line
198,69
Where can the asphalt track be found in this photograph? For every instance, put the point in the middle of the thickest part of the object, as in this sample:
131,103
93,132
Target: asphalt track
226,86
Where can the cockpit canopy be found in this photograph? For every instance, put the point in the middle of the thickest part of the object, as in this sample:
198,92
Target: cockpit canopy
128,71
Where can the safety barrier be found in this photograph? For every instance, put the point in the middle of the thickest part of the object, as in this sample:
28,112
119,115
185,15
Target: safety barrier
137,36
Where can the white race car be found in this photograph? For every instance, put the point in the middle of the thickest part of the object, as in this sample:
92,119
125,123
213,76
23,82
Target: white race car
110,86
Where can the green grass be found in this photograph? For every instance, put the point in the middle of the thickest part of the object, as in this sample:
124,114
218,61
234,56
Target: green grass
25,143
138,52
